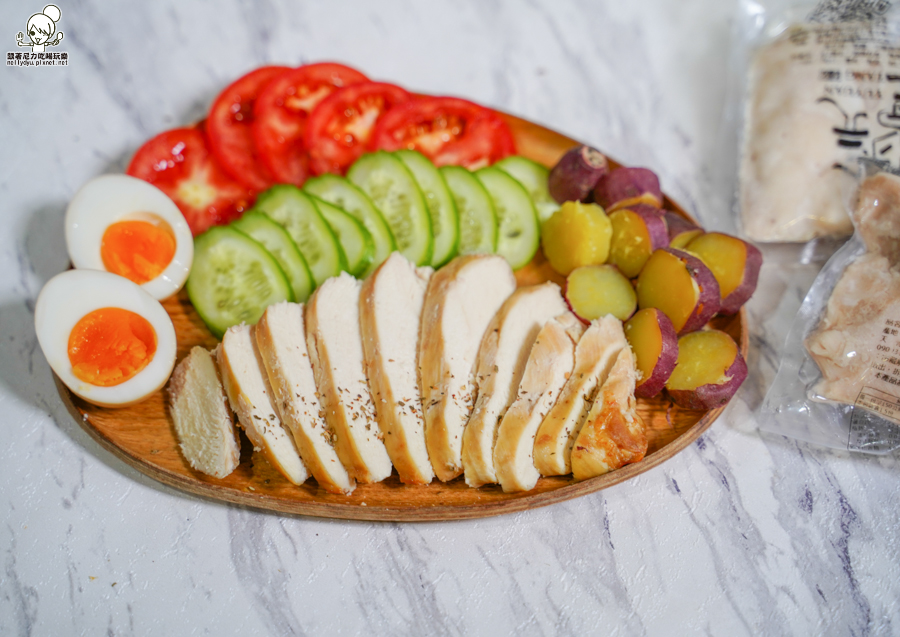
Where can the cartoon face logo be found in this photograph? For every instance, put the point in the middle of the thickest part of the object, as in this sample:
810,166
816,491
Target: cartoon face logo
41,27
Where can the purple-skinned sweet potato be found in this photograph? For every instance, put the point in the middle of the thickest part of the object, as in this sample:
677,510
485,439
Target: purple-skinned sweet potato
734,262
655,345
681,231
593,291
576,173
679,284
626,187
636,232
708,372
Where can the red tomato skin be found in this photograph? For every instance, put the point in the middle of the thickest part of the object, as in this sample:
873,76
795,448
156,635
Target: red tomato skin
336,135
179,163
448,130
229,126
282,110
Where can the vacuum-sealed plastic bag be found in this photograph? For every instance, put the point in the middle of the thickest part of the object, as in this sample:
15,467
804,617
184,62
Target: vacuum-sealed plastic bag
822,92
838,383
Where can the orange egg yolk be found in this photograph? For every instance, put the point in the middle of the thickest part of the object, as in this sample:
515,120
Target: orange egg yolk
137,250
110,345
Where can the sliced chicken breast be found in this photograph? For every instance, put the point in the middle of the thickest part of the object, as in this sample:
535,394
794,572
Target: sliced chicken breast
613,434
335,348
549,365
248,390
203,421
461,299
281,339
390,309
498,371
595,355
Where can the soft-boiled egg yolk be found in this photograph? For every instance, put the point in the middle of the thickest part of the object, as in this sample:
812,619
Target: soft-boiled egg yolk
110,345
137,250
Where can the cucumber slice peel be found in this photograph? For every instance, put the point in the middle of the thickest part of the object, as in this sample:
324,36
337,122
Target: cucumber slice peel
534,177
278,242
441,207
393,190
233,279
477,217
518,231
355,240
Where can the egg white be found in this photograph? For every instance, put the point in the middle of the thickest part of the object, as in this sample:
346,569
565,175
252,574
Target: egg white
68,297
107,199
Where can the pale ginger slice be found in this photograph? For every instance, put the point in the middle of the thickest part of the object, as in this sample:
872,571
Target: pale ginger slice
251,396
203,421
550,364
499,369
595,355
613,434
461,299
281,339
390,307
335,347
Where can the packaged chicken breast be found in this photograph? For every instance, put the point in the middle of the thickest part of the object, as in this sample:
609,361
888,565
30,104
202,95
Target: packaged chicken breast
822,92
839,380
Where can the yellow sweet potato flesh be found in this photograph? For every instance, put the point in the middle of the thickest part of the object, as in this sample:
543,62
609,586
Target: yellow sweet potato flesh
645,338
666,284
630,246
726,256
595,291
703,359
576,235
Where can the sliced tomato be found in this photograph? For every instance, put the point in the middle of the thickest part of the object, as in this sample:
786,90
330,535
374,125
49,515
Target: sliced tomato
229,127
282,110
341,127
179,163
447,130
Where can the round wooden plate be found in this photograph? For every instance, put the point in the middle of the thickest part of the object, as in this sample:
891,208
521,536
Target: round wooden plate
144,437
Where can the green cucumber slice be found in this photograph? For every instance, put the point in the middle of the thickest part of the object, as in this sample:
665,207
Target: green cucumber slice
441,208
278,242
343,194
233,279
534,177
393,190
292,209
355,240
477,218
518,232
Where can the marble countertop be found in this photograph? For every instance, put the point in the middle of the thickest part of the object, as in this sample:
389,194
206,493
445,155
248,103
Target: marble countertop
740,534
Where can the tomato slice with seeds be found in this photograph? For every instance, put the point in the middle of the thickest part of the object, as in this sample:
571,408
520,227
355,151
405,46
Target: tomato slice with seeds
179,163
282,111
229,127
447,130
341,127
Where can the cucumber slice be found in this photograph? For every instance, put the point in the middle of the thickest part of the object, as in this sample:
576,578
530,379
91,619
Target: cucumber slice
535,178
278,242
233,279
477,217
518,232
291,208
341,193
392,188
355,240
441,208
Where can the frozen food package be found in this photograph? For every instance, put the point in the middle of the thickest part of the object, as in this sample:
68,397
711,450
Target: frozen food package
822,91
838,383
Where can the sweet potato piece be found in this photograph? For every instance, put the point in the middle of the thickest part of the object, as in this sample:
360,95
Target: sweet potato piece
577,234
576,173
709,370
655,345
681,231
735,264
597,290
636,233
681,286
625,187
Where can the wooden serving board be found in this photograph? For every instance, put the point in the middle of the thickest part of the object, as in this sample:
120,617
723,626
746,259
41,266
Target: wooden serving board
144,437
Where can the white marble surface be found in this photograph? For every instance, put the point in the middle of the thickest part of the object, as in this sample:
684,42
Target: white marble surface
738,535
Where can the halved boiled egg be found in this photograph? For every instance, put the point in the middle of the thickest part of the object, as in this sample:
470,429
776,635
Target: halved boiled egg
107,339
128,227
